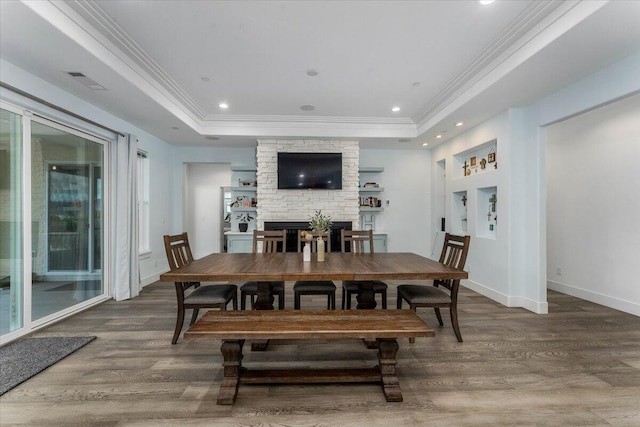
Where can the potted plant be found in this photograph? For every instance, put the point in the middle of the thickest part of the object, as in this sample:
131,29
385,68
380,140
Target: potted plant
243,221
320,223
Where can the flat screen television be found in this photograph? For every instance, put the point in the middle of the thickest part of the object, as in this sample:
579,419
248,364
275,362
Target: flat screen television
310,170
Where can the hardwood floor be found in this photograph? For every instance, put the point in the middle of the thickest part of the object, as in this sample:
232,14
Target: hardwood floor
577,366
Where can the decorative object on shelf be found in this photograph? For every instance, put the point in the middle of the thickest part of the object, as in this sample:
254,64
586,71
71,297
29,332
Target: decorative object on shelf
493,200
490,227
491,157
483,163
237,203
472,161
250,183
495,165
367,222
371,185
464,168
243,223
320,249
464,200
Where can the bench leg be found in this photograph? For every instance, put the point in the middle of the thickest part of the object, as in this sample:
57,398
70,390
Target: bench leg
232,355
387,349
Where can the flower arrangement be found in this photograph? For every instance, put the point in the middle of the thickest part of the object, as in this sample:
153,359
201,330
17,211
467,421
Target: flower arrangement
320,223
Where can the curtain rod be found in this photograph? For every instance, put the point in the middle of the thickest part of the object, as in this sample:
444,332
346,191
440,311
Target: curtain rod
55,107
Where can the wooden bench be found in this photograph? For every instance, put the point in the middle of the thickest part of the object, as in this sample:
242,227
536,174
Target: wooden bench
383,326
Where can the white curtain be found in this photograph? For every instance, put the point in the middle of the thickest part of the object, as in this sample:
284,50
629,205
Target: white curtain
126,274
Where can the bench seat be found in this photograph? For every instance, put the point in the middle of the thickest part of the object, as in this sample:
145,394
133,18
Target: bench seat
383,326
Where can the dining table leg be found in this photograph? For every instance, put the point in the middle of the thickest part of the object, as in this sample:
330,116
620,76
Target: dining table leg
264,301
366,301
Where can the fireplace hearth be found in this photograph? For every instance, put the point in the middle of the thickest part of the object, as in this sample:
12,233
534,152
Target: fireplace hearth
295,227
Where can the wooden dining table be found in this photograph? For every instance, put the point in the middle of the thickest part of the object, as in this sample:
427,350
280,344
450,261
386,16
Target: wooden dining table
265,268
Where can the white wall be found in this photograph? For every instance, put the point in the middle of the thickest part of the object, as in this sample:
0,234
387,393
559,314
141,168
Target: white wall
593,205
203,205
406,182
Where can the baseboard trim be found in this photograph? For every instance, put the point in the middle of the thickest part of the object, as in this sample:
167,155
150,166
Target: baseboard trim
538,307
595,297
150,279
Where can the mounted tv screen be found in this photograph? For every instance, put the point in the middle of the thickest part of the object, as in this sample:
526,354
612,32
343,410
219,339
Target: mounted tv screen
310,170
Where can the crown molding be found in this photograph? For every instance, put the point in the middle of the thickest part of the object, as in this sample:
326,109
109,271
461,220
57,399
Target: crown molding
538,26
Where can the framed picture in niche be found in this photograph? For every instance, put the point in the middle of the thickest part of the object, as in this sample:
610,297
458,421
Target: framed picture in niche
491,157
472,161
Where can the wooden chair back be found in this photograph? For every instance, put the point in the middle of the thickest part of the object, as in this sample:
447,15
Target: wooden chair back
454,254
271,241
314,242
355,240
178,250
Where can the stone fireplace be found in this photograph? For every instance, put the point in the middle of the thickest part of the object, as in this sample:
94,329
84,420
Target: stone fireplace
297,206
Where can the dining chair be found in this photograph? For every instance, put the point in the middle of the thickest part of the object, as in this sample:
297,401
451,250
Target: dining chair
315,287
356,241
265,242
207,296
454,254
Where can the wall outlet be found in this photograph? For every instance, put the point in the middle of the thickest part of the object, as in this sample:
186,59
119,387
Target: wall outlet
559,271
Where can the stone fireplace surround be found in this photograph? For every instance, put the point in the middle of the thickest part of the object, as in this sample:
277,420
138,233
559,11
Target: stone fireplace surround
294,227
296,206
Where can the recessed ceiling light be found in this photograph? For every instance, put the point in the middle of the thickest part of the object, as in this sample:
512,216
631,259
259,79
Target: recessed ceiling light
312,72
438,136
424,144
307,107
175,127
223,105
459,124
205,79
415,84
395,109
213,138
404,140
486,2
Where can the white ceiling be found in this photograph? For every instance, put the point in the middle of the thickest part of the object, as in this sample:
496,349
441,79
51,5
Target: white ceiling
440,61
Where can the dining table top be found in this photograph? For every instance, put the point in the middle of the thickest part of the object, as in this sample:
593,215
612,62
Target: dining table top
290,266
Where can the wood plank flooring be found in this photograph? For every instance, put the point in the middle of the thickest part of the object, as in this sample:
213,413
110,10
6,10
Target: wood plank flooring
577,366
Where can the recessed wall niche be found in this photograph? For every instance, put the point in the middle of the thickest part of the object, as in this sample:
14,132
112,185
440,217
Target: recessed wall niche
480,159
459,213
487,212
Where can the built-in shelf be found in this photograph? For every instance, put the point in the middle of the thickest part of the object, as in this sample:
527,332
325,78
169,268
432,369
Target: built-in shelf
370,209
241,209
480,159
244,168
247,188
371,189
372,169
459,213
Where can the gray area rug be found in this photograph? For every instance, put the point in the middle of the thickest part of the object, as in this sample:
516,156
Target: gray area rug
22,359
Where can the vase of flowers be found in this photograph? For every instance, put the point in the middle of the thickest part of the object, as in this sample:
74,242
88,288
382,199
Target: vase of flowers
321,224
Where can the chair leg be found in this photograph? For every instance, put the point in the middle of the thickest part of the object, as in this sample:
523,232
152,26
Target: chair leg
234,301
243,300
331,301
194,316
296,300
399,302
438,315
253,300
348,297
281,300
179,322
384,299
454,322
343,298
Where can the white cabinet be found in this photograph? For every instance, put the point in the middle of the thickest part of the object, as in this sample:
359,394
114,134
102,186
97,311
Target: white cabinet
238,242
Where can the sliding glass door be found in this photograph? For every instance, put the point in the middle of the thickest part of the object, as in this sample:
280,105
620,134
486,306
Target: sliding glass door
11,223
52,220
66,203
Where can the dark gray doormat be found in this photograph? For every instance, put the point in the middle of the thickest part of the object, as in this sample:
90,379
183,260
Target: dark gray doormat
22,359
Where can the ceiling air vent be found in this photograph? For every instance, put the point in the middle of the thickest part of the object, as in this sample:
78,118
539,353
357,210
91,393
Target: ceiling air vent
85,81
